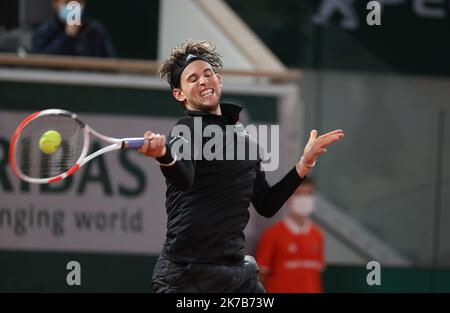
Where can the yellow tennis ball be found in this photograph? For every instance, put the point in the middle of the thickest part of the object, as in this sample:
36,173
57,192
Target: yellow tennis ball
50,141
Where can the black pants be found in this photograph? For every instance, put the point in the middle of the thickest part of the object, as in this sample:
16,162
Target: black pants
197,277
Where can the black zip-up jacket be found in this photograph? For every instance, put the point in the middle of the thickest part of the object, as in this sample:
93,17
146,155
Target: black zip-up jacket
207,200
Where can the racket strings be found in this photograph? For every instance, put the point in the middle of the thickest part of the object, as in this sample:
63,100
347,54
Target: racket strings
33,162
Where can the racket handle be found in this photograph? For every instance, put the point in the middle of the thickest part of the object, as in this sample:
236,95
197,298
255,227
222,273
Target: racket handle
133,143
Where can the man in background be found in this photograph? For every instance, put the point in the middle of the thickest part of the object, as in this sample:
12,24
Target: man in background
57,36
290,253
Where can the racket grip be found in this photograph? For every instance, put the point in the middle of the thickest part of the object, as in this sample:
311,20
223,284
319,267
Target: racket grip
134,143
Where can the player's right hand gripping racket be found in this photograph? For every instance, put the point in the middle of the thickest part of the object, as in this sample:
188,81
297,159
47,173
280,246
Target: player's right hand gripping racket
30,163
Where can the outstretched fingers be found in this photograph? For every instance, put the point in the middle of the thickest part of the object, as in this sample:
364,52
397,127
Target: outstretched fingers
325,142
337,132
313,134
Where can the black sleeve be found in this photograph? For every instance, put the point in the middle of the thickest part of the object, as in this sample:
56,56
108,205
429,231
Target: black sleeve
181,173
267,199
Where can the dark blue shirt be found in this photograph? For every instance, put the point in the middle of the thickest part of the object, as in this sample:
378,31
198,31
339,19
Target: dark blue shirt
91,41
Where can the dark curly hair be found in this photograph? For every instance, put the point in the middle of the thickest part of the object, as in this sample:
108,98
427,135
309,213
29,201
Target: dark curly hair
190,50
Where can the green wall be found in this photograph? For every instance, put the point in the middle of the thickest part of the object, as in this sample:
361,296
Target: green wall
405,42
133,27
116,100
393,279
46,272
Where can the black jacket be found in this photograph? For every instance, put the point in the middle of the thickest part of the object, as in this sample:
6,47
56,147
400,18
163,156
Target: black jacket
207,200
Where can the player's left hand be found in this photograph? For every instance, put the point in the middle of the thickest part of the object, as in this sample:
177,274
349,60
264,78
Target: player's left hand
318,145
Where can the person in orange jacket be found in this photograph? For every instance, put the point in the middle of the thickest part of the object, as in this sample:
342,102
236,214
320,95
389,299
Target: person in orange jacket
290,253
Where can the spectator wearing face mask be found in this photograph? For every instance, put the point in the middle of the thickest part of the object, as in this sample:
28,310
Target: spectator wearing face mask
290,253
62,36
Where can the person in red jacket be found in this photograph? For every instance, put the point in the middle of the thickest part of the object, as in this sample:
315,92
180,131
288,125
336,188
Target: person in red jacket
290,253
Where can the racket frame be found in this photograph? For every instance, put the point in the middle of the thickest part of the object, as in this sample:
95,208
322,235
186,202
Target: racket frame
115,144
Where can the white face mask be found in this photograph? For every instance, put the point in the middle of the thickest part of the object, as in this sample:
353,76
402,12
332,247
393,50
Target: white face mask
302,205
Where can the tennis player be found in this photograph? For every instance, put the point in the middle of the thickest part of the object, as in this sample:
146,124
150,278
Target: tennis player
207,200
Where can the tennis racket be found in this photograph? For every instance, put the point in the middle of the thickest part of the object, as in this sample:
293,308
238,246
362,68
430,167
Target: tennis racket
30,163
